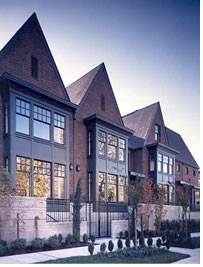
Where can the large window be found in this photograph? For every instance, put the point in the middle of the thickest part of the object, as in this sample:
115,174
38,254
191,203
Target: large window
59,126
160,162
102,186
59,180
165,164
101,143
22,116
112,188
122,186
112,146
121,149
23,171
42,121
157,133
42,178
171,163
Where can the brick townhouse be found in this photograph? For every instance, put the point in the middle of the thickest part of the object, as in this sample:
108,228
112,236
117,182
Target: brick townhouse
52,135
160,153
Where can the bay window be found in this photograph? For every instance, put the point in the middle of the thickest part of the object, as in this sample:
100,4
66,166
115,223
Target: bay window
42,121
171,166
160,162
112,188
101,143
42,178
121,149
59,126
165,164
112,146
22,116
23,173
59,181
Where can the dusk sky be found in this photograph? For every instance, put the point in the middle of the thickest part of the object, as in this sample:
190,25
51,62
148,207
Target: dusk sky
150,49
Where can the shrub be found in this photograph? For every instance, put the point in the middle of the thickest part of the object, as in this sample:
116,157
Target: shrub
37,243
120,244
168,244
102,248
126,234
141,242
75,238
91,248
18,244
127,242
53,241
110,245
149,242
60,237
134,241
92,238
158,243
69,239
3,247
121,234
85,238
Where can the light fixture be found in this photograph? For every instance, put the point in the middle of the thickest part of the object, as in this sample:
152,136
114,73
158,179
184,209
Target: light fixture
71,166
78,168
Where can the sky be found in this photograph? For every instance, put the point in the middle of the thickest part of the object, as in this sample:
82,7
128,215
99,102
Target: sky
151,49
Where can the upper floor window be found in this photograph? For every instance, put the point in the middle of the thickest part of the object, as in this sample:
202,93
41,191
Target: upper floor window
186,170
103,103
112,146
160,162
59,125
59,180
42,121
157,133
22,116
34,67
165,164
101,143
152,163
121,149
194,173
178,167
171,165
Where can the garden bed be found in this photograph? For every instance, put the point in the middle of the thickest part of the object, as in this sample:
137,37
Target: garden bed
166,257
191,243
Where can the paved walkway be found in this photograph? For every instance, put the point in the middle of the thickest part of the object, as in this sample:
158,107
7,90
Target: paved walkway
83,251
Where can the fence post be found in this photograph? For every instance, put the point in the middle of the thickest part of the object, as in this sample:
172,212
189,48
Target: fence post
18,228
90,230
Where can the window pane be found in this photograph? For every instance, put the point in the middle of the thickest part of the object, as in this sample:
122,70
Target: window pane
121,189
111,152
152,163
58,187
22,176
42,178
101,147
112,188
22,124
121,154
102,185
59,135
41,130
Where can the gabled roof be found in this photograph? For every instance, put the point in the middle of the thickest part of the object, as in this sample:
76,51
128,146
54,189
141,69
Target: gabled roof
78,89
140,120
176,141
32,20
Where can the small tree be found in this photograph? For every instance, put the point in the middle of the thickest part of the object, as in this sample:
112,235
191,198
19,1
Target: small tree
183,198
135,198
76,211
147,200
159,206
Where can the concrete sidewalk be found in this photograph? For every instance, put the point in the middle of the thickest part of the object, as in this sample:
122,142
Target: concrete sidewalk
83,251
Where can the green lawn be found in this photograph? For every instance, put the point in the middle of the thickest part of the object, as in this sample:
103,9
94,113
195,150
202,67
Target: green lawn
167,257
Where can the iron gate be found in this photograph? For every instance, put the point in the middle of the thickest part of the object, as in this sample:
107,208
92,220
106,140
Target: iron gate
100,216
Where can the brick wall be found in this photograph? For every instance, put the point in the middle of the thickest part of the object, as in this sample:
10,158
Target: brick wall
1,130
18,62
189,178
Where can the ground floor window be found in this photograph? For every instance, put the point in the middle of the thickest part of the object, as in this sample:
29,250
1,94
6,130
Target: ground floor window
111,187
169,193
42,184
23,171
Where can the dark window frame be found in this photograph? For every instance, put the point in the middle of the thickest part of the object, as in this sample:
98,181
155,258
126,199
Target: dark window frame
102,140
121,147
34,67
23,109
21,168
112,141
59,168
43,116
59,123
157,133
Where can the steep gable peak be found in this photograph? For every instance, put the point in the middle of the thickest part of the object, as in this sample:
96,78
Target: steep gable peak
78,89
